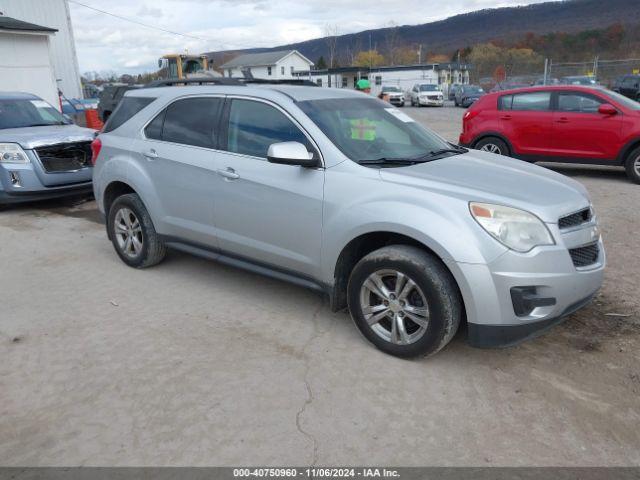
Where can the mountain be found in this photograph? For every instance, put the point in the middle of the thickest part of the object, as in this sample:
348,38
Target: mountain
446,36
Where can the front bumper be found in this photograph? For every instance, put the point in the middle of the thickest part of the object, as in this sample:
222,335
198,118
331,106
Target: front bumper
399,101
487,293
431,102
26,182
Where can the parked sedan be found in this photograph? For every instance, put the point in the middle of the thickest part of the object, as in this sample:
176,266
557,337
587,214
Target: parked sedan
467,95
558,123
394,95
426,94
42,155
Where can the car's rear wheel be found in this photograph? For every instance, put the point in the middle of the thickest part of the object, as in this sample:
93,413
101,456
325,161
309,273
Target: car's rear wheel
133,234
493,145
404,301
632,165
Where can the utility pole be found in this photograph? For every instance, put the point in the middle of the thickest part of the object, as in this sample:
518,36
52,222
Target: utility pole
546,71
419,54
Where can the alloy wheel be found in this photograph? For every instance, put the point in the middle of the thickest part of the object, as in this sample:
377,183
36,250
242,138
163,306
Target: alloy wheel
394,307
636,165
491,148
128,232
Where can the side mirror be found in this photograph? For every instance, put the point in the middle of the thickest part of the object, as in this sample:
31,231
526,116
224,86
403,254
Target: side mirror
291,153
607,109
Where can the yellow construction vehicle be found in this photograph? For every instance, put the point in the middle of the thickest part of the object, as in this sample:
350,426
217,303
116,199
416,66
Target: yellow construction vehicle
182,65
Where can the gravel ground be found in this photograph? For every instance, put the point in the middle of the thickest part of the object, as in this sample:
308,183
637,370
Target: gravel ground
196,363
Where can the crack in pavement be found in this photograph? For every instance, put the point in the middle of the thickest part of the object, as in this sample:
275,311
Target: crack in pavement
310,398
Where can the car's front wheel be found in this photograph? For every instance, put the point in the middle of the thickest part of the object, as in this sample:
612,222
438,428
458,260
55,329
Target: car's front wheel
493,145
133,234
632,165
404,301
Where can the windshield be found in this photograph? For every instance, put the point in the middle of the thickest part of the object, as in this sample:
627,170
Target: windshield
18,113
365,129
390,89
473,89
428,88
622,100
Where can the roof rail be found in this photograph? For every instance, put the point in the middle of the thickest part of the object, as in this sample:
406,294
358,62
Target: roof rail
171,82
284,81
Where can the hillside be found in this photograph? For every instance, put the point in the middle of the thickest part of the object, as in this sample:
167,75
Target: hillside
448,35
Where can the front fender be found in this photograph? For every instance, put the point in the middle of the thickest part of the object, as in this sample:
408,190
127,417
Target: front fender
449,231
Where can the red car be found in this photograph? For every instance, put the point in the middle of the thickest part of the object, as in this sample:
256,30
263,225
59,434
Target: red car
567,123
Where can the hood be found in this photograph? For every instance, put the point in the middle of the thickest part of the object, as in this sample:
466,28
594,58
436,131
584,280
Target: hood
485,177
33,137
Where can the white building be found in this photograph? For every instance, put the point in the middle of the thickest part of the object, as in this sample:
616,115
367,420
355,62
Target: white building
52,14
268,65
26,61
402,76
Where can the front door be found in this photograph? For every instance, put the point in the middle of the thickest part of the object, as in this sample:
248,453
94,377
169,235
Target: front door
178,156
266,212
580,132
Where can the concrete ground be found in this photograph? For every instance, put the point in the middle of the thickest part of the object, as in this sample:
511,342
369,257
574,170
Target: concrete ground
196,363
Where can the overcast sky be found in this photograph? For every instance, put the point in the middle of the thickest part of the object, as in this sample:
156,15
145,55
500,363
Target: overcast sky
107,43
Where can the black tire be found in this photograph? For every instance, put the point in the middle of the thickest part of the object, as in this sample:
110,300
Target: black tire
153,249
455,102
501,145
632,165
443,298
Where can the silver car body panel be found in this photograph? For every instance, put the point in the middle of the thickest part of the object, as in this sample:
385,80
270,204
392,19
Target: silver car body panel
300,220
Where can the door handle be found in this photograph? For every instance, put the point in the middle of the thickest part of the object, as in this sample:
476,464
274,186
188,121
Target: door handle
229,173
505,117
150,154
563,120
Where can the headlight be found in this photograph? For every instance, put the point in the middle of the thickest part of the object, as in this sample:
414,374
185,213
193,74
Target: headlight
12,153
516,229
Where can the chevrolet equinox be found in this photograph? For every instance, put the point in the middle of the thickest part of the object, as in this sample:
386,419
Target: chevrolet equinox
338,191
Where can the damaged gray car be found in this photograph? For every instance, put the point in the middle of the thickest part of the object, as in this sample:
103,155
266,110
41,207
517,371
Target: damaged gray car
42,155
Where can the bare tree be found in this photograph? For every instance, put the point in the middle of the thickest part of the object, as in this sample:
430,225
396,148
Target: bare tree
331,32
391,42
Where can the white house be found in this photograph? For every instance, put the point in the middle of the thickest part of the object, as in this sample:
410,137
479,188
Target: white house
55,15
26,61
402,76
269,65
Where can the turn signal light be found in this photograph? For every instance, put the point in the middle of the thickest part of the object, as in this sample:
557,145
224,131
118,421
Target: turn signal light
96,146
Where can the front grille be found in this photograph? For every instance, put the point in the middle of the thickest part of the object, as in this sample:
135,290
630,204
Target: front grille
65,157
585,256
433,97
575,219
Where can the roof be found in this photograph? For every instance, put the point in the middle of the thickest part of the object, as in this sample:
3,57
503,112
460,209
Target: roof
267,91
546,88
17,96
8,23
260,59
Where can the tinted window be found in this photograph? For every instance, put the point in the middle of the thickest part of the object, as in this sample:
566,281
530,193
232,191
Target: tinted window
534,101
578,103
154,129
253,126
127,108
191,121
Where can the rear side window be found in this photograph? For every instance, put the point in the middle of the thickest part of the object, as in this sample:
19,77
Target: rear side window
253,126
127,108
531,101
191,121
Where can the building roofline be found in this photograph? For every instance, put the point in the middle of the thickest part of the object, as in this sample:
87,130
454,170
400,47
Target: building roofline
13,25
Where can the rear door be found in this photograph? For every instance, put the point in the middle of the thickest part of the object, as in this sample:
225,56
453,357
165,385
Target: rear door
267,212
178,154
580,132
527,121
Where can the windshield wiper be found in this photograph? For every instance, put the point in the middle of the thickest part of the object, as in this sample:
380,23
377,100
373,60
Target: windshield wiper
388,161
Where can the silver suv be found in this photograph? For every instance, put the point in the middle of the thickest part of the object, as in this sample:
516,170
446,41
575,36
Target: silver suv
340,192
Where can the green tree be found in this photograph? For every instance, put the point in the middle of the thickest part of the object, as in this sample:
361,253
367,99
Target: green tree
321,64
